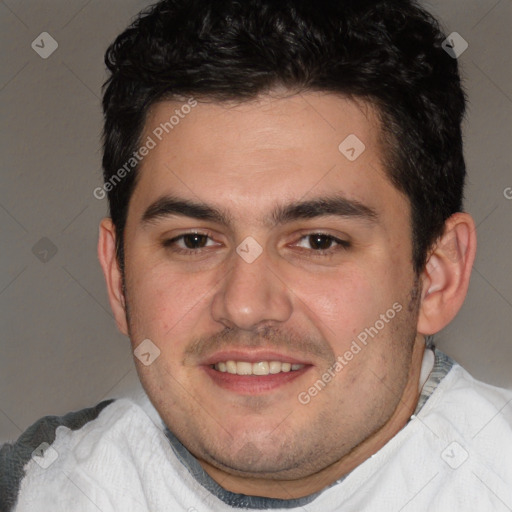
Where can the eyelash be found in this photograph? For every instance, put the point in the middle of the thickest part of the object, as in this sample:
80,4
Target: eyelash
341,244
169,244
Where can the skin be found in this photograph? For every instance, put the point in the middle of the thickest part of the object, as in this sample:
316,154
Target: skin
247,160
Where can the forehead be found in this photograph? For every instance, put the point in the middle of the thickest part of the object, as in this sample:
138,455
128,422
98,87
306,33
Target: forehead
255,154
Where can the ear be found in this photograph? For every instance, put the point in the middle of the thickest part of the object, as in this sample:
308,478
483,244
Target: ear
447,272
112,272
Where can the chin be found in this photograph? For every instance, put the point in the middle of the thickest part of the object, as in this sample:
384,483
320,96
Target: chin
250,462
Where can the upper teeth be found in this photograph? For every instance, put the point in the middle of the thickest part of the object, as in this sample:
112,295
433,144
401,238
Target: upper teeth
260,368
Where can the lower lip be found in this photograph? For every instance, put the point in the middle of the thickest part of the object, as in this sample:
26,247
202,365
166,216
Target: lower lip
253,384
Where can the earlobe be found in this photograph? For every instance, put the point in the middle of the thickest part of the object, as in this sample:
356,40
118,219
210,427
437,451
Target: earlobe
445,279
112,272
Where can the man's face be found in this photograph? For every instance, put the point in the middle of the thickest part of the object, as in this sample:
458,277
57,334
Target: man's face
255,245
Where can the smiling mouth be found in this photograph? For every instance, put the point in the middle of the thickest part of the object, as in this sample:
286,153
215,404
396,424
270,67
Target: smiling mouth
260,368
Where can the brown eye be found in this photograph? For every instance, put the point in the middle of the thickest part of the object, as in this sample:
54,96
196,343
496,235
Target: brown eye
192,242
195,241
319,242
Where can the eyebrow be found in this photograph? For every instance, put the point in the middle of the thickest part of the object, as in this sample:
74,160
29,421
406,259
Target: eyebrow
336,205
169,206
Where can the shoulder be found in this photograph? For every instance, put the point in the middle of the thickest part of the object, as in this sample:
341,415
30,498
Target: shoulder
35,443
462,399
469,424
453,455
59,441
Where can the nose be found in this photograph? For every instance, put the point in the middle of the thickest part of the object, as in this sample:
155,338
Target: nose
252,295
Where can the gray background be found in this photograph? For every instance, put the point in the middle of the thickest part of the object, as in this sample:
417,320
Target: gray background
60,350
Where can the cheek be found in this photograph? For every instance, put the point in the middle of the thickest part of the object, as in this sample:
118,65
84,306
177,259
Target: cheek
164,303
338,304
343,305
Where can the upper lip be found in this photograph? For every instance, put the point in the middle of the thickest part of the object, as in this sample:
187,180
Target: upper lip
253,356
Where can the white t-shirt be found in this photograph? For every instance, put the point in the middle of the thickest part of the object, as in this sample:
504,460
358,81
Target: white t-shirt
455,455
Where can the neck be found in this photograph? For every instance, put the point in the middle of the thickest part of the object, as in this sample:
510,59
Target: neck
292,489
